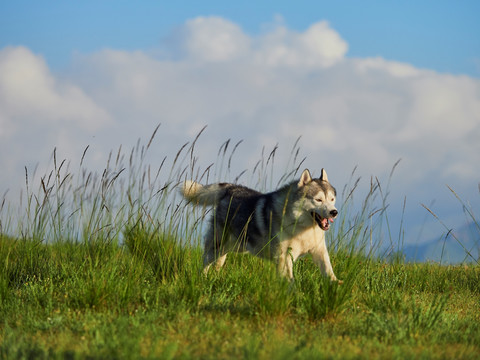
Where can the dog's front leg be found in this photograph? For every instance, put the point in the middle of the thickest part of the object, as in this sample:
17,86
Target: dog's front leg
285,263
322,259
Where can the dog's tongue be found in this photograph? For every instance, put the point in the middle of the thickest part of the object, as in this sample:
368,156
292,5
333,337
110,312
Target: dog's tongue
325,223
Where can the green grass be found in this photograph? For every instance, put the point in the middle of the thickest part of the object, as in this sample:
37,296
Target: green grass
111,302
109,266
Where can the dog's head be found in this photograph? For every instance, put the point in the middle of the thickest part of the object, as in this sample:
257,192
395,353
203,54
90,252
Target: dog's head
319,198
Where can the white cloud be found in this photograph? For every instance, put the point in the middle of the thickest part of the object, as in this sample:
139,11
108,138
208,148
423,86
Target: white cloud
264,89
214,39
282,84
39,111
210,39
394,68
31,93
318,46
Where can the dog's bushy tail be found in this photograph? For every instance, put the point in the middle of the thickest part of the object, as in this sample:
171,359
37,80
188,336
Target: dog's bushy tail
206,195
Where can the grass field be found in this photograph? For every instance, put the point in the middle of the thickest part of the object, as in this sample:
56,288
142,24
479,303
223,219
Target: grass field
108,266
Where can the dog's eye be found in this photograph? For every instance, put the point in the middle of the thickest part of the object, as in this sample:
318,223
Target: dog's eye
319,200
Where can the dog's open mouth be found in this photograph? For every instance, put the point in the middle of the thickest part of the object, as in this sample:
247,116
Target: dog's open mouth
324,223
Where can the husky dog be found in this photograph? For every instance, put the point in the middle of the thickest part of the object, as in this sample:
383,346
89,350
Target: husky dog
281,225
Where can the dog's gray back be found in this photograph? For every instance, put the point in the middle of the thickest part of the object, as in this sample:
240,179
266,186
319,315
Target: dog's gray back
251,218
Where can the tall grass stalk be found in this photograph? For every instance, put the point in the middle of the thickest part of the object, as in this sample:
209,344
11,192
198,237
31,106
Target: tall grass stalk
112,259
134,204
450,232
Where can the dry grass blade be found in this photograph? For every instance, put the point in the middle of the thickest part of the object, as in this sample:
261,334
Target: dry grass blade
83,155
430,211
233,152
450,232
192,147
224,146
465,208
153,135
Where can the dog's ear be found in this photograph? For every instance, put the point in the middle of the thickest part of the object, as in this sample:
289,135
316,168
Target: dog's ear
324,175
305,178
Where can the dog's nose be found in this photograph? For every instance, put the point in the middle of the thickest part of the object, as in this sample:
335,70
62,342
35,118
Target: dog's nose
334,213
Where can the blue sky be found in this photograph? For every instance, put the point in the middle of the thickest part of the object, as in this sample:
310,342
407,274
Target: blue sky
440,35
364,83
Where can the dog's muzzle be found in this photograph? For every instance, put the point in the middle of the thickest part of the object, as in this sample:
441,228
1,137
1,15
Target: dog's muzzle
324,223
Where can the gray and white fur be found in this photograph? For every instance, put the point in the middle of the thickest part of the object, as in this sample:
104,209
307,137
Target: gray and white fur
280,225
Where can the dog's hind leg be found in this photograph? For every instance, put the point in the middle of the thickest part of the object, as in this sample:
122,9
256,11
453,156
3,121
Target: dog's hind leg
214,251
212,256
219,262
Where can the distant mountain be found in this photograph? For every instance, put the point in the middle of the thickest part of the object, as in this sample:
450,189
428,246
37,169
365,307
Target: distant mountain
446,249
